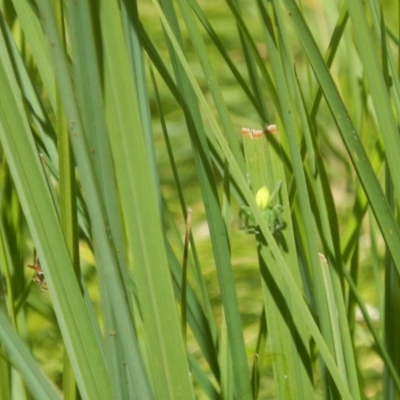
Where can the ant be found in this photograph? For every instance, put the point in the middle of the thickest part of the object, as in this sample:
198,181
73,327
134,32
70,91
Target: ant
39,278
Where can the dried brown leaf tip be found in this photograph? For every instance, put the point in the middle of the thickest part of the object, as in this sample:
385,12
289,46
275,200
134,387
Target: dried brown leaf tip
323,259
253,133
271,129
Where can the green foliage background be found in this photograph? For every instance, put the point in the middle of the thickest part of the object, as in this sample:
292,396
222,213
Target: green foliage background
117,117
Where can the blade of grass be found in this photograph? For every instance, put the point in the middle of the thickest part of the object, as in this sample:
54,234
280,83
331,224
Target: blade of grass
241,182
292,373
380,82
206,331
196,317
224,53
328,225
141,209
39,116
218,234
72,314
22,360
252,68
285,83
68,217
88,88
378,88
330,54
34,35
378,342
106,254
212,81
356,151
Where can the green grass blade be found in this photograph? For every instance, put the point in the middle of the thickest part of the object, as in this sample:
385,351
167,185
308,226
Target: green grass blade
285,83
216,223
140,207
350,137
27,172
206,332
22,360
212,81
40,118
87,79
225,54
34,35
377,85
104,247
241,181
287,333
68,208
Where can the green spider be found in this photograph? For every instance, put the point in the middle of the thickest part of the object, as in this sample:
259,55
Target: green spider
271,212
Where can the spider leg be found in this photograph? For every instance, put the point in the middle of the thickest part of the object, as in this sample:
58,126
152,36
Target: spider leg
37,268
246,219
276,190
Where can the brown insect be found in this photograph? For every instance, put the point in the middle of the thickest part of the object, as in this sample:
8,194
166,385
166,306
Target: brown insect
39,278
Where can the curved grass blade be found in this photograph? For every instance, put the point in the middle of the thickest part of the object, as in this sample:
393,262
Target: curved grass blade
22,360
241,182
87,359
356,151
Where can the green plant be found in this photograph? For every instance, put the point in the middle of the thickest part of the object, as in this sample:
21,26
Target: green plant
103,150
